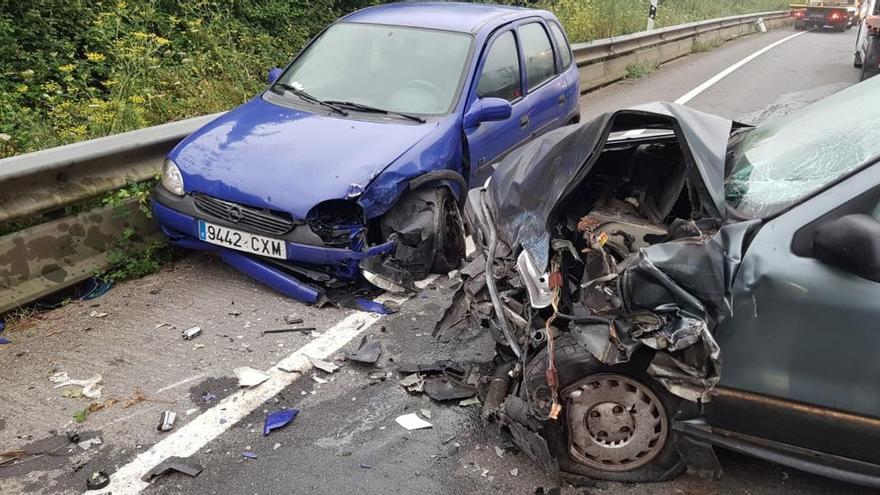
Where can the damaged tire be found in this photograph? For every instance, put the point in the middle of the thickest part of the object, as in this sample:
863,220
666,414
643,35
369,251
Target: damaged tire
428,228
615,423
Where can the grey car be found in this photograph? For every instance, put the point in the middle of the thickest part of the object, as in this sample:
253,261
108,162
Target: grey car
666,281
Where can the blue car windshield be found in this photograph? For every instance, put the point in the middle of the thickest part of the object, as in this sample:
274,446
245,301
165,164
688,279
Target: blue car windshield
780,164
399,69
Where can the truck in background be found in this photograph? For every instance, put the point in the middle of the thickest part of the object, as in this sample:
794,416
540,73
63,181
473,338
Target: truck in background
867,55
839,15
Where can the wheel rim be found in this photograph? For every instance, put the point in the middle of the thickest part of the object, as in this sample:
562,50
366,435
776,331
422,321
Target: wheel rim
615,423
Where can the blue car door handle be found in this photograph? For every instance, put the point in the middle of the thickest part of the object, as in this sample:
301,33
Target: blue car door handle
524,121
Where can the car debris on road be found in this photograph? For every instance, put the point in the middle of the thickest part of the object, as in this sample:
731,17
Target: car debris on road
278,419
412,421
249,377
174,463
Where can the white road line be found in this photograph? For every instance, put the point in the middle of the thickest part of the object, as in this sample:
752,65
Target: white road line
726,72
191,437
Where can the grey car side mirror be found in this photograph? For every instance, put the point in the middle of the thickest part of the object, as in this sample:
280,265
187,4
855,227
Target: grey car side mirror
851,243
487,110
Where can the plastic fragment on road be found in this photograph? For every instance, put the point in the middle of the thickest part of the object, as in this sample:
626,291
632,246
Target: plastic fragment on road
91,387
412,421
87,444
325,366
98,314
318,379
413,383
3,340
499,452
473,401
99,288
166,420
249,377
98,480
371,306
292,320
368,351
247,454
191,333
208,397
514,471
174,463
441,390
278,419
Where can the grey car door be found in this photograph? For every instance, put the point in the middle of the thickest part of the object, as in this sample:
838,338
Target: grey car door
801,353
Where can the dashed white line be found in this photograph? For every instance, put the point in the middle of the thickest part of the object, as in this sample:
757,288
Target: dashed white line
690,95
191,437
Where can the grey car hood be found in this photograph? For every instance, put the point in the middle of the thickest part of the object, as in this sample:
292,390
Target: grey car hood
532,180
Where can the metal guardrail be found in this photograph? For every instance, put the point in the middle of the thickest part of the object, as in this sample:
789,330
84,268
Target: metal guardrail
605,61
59,253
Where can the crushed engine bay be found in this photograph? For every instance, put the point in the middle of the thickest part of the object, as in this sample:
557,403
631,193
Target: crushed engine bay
626,255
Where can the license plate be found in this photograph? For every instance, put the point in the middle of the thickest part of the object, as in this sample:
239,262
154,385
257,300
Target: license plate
242,241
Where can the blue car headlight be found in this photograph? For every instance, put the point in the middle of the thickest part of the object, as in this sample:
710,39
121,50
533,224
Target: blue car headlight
172,180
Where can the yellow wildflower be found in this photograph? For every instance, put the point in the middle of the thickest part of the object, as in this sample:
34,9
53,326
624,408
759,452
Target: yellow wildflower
22,88
136,99
68,68
162,41
95,57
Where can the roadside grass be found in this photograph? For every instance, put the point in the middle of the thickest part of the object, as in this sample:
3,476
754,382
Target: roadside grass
707,46
75,70
639,70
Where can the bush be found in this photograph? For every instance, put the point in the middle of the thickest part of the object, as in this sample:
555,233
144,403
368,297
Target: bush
79,69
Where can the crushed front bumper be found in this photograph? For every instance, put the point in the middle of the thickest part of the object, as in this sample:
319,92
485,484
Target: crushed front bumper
178,218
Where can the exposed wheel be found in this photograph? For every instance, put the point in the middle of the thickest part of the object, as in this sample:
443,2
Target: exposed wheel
615,419
450,236
427,225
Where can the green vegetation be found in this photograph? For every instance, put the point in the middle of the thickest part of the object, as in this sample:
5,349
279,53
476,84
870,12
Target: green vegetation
706,46
641,69
131,256
79,69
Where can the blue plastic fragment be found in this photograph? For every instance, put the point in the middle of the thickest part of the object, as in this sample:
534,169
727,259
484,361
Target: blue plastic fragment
278,419
372,306
2,325
98,288
5,341
247,454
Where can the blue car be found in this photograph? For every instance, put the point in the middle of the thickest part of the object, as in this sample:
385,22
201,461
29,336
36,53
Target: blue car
356,158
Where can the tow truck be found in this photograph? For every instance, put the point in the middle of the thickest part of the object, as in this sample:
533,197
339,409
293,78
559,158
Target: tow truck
839,15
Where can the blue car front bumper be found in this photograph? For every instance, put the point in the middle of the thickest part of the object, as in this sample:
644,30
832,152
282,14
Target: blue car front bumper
179,221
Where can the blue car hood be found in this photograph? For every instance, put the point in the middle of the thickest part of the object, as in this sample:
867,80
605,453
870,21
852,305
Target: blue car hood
280,158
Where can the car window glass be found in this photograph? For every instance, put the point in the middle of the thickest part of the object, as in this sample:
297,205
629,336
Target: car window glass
500,77
393,68
561,43
538,54
785,161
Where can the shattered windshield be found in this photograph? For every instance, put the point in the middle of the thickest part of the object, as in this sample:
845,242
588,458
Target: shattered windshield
782,163
393,68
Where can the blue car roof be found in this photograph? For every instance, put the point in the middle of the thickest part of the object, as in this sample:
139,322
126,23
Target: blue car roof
463,17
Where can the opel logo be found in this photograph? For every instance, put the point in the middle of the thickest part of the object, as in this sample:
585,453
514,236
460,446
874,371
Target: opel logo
234,213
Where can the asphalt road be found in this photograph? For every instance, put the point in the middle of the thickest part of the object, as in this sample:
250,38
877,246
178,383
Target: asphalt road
344,439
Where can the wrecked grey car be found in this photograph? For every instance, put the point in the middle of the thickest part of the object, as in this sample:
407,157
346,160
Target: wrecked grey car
664,281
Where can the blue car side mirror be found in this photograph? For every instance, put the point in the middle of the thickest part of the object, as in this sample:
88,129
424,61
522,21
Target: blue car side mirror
274,74
487,110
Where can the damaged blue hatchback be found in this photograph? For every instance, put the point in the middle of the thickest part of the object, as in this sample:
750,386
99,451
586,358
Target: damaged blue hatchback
356,158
